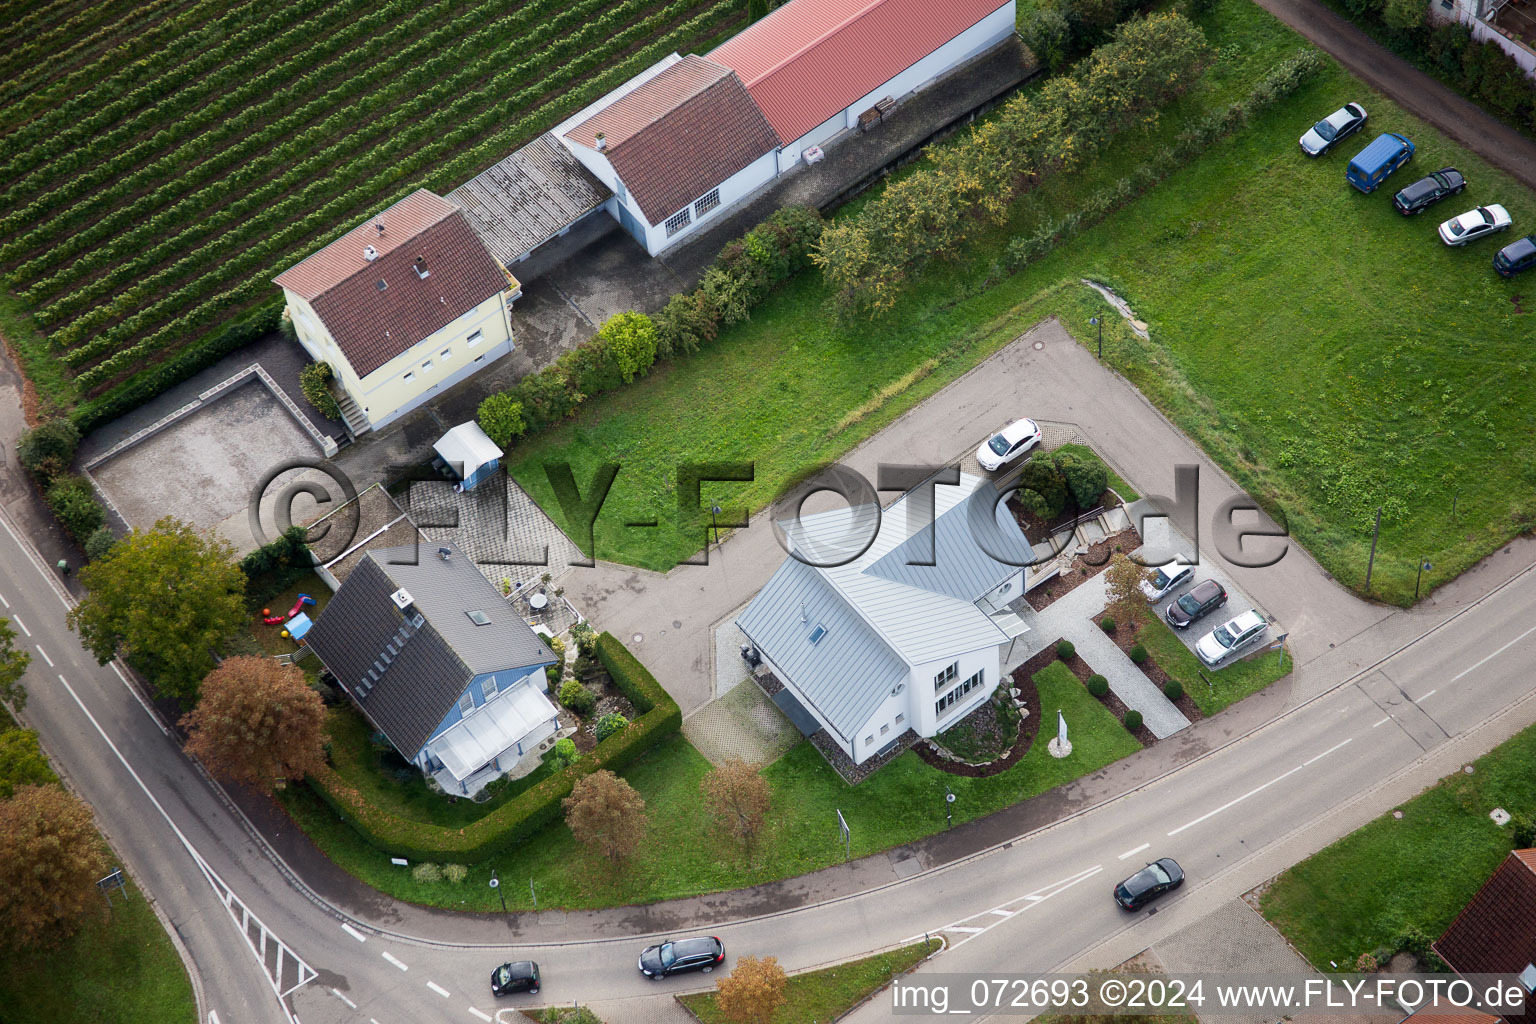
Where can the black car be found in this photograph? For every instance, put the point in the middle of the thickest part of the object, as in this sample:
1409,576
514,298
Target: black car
518,976
1205,596
697,954
1428,191
1516,256
1149,883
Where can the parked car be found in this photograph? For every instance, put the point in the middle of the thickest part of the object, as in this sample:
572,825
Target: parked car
1516,256
1376,163
517,976
703,953
1200,600
1429,190
1231,637
1333,129
1146,885
1008,444
1474,224
1166,579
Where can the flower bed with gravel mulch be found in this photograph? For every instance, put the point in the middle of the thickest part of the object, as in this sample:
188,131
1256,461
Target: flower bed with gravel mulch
1084,567
1125,637
1028,726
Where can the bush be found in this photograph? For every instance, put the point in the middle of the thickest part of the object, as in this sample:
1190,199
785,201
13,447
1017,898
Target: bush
563,754
315,383
273,568
1173,689
47,449
1107,623
609,724
1065,649
586,639
1048,35
1132,720
1098,686
501,417
537,806
100,543
455,873
1044,489
1367,963
577,697
1522,829
74,504
1139,654
427,873
1085,477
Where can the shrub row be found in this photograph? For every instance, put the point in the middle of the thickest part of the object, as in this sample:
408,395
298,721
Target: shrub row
1481,71
972,183
398,162
1056,33
628,344
46,452
523,815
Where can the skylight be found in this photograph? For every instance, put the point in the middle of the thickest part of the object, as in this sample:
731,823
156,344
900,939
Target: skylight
817,633
478,617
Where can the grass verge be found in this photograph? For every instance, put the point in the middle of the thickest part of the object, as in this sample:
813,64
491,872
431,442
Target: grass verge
1396,878
1226,685
902,802
829,993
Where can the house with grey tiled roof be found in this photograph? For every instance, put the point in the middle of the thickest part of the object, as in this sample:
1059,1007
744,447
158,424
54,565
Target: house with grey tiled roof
402,307
439,663
882,621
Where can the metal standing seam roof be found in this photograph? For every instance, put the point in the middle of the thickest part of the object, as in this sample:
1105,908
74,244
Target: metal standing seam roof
1495,933
529,197
430,667
957,544
466,448
810,59
373,324
678,134
886,623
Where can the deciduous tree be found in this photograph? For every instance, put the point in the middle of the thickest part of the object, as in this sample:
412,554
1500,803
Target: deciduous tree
1122,585
753,992
605,813
22,762
257,722
13,665
737,797
165,598
51,857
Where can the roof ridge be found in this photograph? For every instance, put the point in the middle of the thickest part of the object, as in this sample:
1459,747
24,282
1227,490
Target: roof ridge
700,89
452,208
864,9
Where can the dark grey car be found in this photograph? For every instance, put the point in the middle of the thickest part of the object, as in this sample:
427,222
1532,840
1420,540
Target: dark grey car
1193,605
1429,190
703,953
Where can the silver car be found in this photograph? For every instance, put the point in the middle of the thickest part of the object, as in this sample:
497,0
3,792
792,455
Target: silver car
1166,579
1229,638
1333,129
1474,224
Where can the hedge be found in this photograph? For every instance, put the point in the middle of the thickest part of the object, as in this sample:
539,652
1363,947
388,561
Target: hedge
523,815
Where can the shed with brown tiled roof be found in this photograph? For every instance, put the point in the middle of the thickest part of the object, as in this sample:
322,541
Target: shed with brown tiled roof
1496,932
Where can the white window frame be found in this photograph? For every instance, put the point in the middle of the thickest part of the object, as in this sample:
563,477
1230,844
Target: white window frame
708,201
953,697
410,375
474,338
946,677
426,366
488,687
679,220
445,355
465,712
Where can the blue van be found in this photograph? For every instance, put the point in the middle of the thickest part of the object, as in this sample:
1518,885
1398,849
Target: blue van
1376,162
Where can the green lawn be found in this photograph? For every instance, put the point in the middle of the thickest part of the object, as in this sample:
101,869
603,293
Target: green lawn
1331,355
829,993
1226,685
1376,885
900,803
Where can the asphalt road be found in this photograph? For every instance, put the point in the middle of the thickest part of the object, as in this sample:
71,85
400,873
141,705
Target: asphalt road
1037,904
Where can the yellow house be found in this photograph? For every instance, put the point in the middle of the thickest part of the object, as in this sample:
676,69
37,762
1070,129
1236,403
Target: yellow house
402,307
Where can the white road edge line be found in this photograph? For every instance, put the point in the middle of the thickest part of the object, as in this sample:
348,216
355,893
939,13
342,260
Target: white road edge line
350,1004
1495,654
1383,722
1428,695
359,936
435,987
1132,853
17,619
480,1013
395,960
50,660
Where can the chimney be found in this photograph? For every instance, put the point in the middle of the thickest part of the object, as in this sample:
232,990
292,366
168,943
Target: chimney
421,268
444,553
370,253
602,142
379,226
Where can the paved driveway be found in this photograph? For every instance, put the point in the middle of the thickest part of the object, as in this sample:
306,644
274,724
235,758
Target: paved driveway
1060,382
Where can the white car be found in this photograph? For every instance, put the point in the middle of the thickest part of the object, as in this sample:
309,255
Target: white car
1008,444
1166,579
1474,224
1231,637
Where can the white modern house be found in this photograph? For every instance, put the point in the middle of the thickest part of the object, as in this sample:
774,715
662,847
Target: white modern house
911,633
402,307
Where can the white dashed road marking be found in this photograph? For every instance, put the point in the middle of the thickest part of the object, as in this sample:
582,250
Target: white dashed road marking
359,936
478,1013
8,604
1495,654
397,962
350,1004
1001,913
17,619
435,987
1428,695
50,660
1258,789
1132,853
1383,722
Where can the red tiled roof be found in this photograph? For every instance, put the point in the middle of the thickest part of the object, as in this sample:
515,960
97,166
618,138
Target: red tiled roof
812,58
680,134
1496,932
372,325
